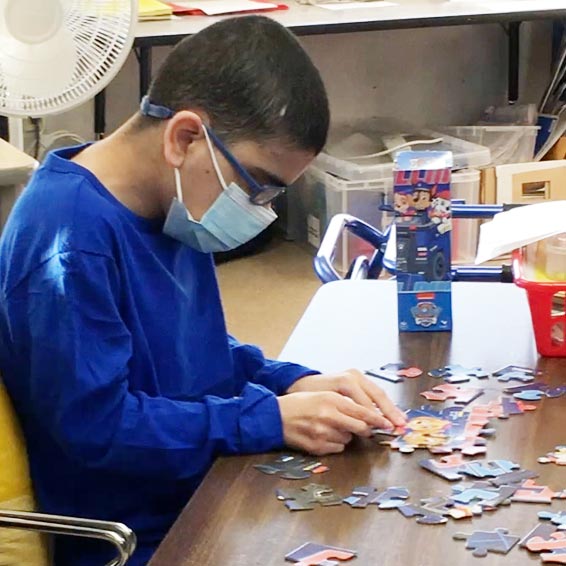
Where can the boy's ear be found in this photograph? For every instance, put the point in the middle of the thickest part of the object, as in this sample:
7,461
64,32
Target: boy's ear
181,131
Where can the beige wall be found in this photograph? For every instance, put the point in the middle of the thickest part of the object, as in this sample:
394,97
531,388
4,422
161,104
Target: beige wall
442,75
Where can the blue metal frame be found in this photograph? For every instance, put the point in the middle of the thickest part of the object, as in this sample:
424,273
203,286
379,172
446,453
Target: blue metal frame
364,268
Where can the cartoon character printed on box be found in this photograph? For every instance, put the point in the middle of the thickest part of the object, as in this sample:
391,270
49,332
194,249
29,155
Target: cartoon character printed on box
403,204
440,212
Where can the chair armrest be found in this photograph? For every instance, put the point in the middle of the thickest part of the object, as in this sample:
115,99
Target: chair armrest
117,534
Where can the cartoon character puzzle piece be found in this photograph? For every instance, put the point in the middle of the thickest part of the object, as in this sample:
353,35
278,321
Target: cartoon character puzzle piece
460,395
556,541
385,499
446,506
441,432
530,395
424,516
403,370
313,554
291,467
482,542
558,457
307,497
554,557
458,373
502,408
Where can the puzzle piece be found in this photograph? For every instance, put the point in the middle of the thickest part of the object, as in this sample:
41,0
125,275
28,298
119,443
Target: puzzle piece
543,530
425,516
555,392
460,395
556,541
558,519
458,373
515,376
482,542
445,506
454,467
291,467
502,408
515,369
483,494
530,492
554,557
558,457
313,554
537,385
387,375
530,395
442,432
388,499
516,477
307,497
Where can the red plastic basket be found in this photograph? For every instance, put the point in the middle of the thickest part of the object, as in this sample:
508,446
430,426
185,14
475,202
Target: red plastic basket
548,309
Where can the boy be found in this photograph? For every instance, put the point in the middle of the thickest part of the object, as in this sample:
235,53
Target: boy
113,342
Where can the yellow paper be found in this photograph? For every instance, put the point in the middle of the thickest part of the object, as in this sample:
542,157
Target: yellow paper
154,10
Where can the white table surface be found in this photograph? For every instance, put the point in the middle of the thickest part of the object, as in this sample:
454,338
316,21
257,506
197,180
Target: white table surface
407,13
353,324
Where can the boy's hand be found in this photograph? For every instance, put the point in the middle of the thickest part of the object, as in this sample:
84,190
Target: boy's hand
359,388
323,422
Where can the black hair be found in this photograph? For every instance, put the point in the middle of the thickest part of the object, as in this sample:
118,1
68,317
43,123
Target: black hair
253,79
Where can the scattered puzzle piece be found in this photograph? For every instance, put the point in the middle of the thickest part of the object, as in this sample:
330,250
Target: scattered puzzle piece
558,519
291,467
458,373
516,477
388,499
460,395
387,375
554,557
483,494
307,497
530,492
312,554
424,516
558,457
530,395
556,541
543,530
454,467
445,506
482,542
555,392
515,369
538,385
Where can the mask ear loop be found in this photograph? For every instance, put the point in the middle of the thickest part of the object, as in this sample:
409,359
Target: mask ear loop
214,160
178,185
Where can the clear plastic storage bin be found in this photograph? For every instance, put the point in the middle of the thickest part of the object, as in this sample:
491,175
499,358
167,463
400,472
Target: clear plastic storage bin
318,196
347,144
507,144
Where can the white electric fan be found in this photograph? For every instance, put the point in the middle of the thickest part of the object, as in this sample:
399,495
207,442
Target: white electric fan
57,54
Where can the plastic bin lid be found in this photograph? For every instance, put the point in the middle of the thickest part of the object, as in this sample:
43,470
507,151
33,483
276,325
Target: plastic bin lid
346,143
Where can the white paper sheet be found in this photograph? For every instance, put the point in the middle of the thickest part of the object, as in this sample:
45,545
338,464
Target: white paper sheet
356,5
217,7
519,227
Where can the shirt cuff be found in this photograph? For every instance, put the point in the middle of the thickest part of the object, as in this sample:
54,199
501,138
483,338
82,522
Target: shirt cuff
261,427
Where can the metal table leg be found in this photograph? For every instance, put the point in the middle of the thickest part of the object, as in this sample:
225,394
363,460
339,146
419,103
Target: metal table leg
100,115
514,55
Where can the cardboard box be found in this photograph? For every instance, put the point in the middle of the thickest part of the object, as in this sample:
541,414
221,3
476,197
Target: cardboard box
423,224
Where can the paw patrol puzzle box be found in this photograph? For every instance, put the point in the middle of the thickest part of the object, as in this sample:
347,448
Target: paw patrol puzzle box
423,223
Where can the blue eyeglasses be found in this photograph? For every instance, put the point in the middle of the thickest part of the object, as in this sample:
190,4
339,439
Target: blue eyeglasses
261,194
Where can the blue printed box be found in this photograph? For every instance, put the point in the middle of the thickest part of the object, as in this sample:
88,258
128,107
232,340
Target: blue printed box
423,223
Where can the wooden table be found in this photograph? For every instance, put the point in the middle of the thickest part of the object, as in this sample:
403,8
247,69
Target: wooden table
234,518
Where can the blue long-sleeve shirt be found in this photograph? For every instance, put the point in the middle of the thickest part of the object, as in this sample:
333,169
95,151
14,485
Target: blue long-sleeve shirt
114,349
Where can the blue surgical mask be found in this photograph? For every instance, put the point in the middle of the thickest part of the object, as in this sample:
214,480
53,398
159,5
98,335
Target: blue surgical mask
231,221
